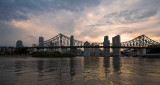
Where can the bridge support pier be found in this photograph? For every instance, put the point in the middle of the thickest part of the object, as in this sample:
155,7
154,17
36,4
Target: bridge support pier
72,50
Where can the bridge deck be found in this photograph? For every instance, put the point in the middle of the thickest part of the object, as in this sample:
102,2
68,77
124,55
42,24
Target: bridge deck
83,47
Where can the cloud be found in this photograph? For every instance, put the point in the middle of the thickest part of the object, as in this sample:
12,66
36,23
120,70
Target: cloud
19,9
131,19
130,16
9,35
49,24
87,20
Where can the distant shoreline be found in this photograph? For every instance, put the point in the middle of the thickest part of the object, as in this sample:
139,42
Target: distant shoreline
25,56
15,55
151,56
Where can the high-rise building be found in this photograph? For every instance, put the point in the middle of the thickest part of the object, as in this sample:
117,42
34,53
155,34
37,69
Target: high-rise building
116,42
106,51
19,43
41,41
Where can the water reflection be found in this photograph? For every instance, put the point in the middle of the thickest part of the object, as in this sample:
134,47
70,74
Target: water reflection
106,63
116,64
80,71
72,68
90,62
18,66
60,70
40,67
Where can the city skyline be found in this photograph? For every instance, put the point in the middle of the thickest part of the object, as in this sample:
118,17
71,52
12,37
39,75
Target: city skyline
87,20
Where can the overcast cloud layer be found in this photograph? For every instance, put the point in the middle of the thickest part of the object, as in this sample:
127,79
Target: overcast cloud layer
87,20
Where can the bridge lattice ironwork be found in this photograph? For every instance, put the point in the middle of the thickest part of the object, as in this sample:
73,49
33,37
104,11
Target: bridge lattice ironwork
140,41
61,40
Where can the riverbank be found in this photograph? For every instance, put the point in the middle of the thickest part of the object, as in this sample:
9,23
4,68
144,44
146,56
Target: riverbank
41,54
15,56
52,54
151,56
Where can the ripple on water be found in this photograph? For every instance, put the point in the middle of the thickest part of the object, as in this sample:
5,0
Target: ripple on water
79,71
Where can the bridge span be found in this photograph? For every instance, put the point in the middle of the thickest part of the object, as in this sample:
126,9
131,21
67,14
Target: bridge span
62,42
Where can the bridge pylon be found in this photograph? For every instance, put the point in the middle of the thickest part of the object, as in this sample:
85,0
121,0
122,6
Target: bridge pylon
73,50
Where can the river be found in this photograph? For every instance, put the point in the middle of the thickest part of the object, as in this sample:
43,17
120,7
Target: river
79,71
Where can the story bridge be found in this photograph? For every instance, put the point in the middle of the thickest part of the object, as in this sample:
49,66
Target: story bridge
62,41
140,43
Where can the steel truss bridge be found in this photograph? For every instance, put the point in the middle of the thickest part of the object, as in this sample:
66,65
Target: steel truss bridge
140,41
62,41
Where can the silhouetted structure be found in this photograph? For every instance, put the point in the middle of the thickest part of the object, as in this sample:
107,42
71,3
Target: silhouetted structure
86,50
62,42
19,43
106,51
140,41
116,42
41,41
73,50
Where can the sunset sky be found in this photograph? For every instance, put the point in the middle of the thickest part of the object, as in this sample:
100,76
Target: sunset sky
87,20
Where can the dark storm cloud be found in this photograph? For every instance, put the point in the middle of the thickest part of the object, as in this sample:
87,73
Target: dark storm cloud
125,31
18,9
136,12
130,16
147,4
54,16
21,10
9,35
31,36
92,33
95,25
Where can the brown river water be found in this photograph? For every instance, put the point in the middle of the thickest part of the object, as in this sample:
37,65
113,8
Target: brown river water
79,71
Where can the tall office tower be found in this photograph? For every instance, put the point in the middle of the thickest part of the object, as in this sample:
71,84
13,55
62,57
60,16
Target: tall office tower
116,42
106,51
41,42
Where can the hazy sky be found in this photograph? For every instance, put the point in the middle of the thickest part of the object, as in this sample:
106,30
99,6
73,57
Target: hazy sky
87,20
